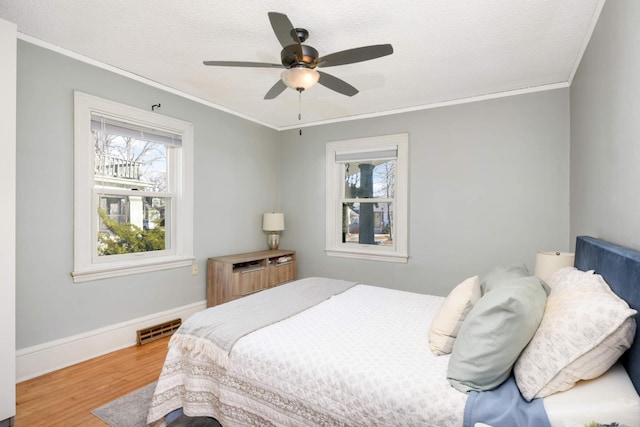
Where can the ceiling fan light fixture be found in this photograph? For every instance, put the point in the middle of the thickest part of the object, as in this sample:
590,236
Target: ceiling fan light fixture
300,78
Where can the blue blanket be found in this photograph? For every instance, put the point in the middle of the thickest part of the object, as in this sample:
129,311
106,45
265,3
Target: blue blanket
504,407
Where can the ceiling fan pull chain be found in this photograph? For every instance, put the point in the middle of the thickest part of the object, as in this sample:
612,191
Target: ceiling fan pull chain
300,108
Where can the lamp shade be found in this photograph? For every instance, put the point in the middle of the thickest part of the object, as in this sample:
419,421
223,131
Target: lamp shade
550,262
273,221
300,78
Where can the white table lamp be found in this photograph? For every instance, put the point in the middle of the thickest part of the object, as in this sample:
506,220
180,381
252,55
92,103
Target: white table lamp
273,223
550,262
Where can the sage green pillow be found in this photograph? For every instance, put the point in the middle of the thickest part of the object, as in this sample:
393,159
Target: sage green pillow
495,332
503,274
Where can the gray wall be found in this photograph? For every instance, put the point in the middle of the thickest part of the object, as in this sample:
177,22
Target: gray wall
235,182
489,184
605,130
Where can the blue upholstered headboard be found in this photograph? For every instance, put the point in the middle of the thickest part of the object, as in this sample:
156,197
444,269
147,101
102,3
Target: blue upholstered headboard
620,268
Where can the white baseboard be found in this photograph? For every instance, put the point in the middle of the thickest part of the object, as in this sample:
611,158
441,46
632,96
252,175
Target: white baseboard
40,359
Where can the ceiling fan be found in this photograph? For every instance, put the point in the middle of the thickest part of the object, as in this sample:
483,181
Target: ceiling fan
300,61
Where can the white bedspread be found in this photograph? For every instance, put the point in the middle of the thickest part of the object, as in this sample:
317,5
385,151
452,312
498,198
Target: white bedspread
360,358
215,331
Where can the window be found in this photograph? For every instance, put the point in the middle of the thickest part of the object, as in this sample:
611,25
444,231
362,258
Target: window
367,198
133,190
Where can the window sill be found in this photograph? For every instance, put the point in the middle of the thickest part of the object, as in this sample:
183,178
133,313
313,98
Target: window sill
109,271
372,256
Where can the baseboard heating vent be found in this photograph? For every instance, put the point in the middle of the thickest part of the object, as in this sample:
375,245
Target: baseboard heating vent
158,331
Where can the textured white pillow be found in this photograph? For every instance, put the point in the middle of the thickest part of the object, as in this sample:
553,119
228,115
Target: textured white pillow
566,276
446,323
585,329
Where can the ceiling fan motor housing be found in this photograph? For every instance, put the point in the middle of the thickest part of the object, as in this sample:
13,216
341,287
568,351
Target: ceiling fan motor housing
289,58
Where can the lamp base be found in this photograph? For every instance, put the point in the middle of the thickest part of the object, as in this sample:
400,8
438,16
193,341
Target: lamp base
273,240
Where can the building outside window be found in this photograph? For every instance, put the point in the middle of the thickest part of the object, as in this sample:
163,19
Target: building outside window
367,198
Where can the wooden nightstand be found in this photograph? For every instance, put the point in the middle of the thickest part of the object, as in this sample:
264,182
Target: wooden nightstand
234,276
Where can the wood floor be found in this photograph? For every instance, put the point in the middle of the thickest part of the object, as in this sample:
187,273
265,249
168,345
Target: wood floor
67,397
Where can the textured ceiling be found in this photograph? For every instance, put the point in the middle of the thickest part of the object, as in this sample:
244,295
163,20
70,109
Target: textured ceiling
445,51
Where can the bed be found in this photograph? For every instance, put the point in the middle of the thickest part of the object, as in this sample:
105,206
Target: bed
360,355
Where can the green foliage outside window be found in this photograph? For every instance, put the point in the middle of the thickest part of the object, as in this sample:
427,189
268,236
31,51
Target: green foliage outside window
127,238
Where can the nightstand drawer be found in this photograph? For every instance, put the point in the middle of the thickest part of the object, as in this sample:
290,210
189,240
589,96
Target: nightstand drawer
282,273
248,281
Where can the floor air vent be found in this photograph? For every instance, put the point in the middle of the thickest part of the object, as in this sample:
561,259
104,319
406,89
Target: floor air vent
158,331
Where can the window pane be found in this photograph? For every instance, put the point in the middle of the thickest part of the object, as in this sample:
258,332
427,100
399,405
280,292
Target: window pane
370,179
126,162
131,224
367,223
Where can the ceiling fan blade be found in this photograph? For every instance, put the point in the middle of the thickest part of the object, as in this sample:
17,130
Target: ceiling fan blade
336,84
357,54
276,90
242,64
286,34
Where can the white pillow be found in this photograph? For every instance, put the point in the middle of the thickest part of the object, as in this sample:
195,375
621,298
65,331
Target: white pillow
446,324
585,329
566,276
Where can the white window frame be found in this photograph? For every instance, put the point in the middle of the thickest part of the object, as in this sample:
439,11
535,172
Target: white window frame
86,266
398,251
